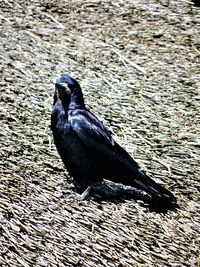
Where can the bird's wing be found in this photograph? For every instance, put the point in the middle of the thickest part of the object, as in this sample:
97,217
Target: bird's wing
94,134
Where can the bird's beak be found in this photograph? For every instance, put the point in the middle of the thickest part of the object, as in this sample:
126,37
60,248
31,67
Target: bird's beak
63,89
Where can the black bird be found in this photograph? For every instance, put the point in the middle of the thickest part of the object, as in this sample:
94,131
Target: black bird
196,3
87,148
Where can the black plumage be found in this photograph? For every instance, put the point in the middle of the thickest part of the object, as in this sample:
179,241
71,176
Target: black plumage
87,148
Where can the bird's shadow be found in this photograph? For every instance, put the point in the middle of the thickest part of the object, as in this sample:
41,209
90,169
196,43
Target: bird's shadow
117,193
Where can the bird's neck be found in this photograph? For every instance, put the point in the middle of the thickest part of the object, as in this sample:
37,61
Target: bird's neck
77,100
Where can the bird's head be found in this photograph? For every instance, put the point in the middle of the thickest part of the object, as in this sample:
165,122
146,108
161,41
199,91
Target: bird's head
69,92
65,86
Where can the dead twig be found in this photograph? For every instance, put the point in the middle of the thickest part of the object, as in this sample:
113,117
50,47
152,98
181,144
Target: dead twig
134,65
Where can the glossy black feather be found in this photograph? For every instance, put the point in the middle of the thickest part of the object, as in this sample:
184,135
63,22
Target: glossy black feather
87,148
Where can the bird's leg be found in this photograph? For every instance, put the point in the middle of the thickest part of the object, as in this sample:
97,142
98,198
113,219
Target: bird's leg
84,194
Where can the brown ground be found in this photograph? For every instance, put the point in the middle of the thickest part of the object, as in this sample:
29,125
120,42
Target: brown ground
153,113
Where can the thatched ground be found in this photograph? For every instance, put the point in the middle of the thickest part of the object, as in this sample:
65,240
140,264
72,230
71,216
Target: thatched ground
138,64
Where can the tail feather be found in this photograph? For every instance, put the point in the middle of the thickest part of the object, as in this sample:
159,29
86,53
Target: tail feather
156,191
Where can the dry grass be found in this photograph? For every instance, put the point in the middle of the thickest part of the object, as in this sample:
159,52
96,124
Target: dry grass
138,64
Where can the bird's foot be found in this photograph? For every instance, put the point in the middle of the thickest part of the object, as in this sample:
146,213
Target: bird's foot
84,194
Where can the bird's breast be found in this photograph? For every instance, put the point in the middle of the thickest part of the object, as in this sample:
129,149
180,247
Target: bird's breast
78,158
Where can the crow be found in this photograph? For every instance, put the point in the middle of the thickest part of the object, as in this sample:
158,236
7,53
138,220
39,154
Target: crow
88,149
